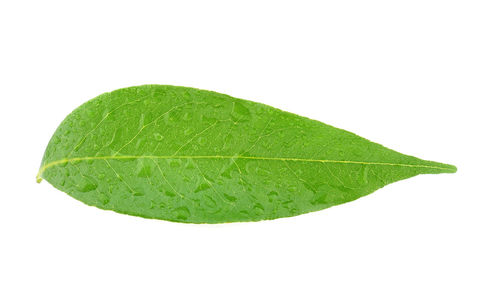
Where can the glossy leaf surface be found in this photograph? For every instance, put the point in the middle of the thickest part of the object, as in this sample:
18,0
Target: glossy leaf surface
189,155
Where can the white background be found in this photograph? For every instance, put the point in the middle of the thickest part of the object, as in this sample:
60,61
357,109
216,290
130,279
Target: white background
421,77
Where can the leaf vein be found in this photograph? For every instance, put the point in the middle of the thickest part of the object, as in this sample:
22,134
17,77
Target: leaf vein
117,157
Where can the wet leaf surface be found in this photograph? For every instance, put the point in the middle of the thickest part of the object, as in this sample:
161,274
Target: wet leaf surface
190,155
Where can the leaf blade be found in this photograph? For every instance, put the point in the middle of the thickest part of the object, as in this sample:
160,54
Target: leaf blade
197,156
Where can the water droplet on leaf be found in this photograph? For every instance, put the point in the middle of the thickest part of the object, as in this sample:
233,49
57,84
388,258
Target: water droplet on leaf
158,136
182,213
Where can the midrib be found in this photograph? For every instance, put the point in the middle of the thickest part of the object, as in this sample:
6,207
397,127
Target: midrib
114,157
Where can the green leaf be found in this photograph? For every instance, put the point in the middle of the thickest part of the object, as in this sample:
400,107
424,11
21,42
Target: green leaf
189,155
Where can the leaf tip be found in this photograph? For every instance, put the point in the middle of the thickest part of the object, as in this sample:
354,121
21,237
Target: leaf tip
449,168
